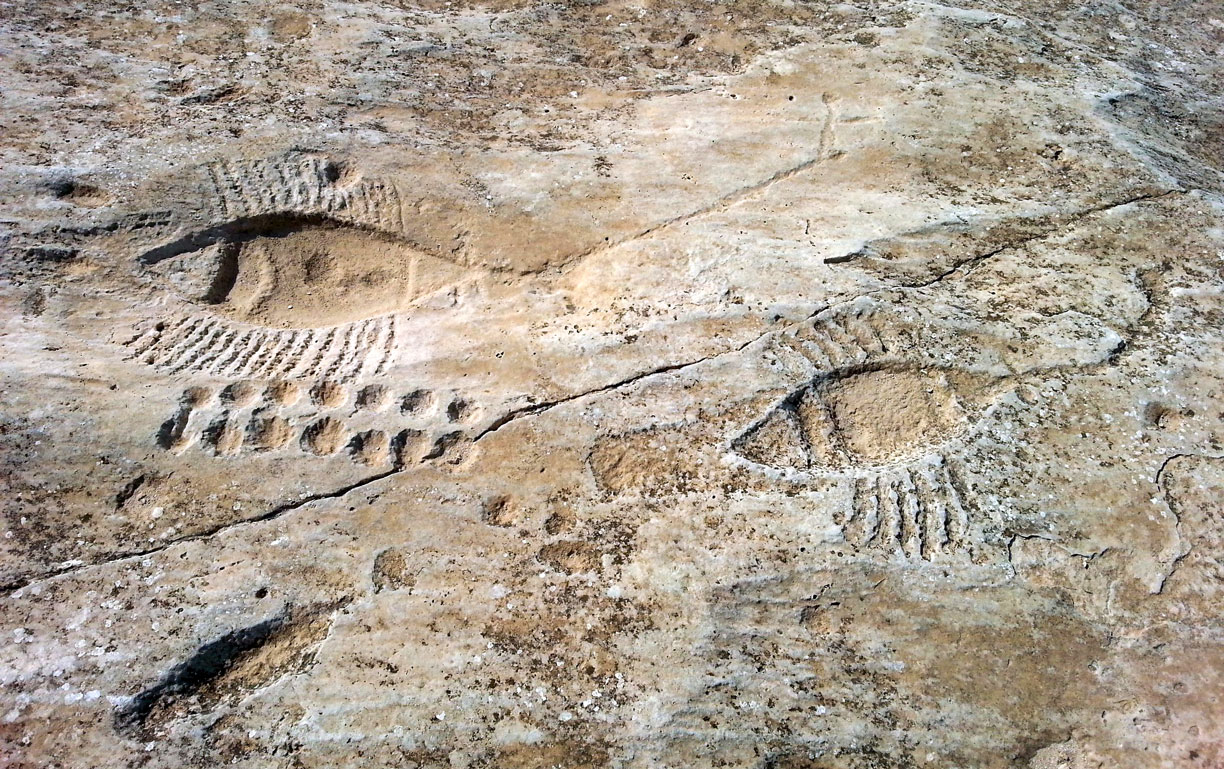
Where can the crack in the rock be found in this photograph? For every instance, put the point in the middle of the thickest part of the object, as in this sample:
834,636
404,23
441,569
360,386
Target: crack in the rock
1015,535
539,408
721,204
1067,219
289,507
1165,466
1070,219
1011,541
730,199
1177,522
16,585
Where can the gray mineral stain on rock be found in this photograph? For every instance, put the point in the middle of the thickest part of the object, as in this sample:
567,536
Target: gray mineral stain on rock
765,385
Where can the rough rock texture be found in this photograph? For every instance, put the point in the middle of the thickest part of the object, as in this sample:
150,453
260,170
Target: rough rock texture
669,383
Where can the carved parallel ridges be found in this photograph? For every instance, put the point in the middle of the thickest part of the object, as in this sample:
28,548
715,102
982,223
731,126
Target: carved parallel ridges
847,338
210,345
922,510
244,188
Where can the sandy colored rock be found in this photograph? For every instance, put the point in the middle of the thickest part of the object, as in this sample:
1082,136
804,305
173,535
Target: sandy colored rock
283,393
761,385
271,432
418,402
328,394
240,394
324,437
371,447
373,397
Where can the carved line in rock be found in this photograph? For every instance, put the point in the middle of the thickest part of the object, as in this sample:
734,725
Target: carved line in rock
857,417
271,198
862,366
928,255
291,507
824,151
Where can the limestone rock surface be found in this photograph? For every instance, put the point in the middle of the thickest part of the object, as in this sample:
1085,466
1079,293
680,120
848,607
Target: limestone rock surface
775,384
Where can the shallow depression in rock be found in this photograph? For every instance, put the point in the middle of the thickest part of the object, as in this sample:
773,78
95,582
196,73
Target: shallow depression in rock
299,272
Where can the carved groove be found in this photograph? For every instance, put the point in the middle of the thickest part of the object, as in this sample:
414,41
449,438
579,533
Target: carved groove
204,346
921,511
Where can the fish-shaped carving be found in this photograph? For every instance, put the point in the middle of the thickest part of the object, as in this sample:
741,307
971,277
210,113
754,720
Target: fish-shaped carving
865,416
304,273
